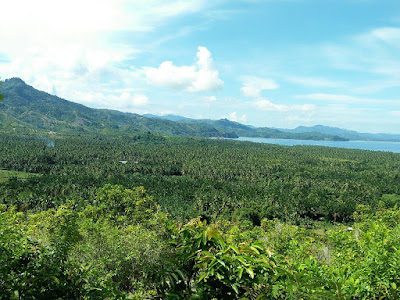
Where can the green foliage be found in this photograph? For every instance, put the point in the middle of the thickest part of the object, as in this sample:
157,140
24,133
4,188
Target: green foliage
94,254
125,255
133,205
209,267
87,229
191,177
33,269
6,175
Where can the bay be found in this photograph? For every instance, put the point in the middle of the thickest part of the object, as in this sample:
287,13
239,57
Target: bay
363,145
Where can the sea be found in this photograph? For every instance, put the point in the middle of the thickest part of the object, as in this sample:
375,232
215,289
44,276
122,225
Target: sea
363,145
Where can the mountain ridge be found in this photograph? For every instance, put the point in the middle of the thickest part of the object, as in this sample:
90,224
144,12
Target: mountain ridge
26,108
316,129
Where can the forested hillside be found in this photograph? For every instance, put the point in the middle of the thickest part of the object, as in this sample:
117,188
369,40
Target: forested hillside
146,216
26,109
251,131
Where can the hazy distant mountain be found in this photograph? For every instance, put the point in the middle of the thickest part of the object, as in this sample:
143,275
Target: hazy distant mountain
168,117
251,131
348,134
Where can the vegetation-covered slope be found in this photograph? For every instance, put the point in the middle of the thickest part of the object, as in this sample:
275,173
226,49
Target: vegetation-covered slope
75,224
192,177
251,131
25,109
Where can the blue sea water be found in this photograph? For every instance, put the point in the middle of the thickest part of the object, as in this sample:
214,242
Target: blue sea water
364,145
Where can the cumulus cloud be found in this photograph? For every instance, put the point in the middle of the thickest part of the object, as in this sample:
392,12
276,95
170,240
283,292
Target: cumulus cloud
234,117
124,100
267,105
201,77
128,100
46,49
253,86
140,100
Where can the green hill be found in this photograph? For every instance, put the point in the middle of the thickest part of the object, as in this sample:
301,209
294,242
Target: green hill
24,108
250,131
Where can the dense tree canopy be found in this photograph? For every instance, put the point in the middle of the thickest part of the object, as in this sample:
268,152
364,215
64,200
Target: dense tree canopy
147,216
191,177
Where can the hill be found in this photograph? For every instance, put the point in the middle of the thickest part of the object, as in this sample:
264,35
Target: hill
251,131
344,133
25,108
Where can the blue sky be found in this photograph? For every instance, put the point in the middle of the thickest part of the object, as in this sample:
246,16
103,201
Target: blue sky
272,63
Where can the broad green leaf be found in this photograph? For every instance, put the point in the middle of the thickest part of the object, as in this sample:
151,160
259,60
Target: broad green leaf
222,262
204,275
250,272
211,233
234,248
204,237
235,288
240,273
254,250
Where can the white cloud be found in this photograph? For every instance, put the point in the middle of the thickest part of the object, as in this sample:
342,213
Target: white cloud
210,98
267,105
66,47
201,77
388,35
125,101
375,52
33,18
234,117
140,100
346,99
375,86
253,86
128,100
329,97
169,76
314,81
